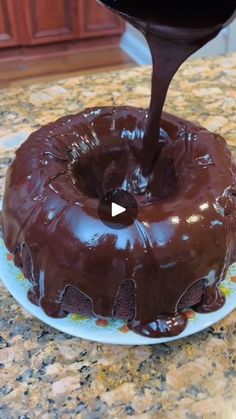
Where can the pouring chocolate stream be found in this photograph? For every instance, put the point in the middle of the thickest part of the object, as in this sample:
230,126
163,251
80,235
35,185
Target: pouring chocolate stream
173,32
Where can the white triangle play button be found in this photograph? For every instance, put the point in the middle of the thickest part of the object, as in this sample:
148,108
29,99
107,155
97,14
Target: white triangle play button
116,209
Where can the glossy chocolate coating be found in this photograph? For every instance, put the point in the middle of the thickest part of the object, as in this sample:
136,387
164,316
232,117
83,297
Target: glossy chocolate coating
184,233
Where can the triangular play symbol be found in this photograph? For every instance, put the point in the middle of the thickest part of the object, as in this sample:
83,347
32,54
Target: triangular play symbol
116,209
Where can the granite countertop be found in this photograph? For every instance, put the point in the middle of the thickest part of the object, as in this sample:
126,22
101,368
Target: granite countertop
44,373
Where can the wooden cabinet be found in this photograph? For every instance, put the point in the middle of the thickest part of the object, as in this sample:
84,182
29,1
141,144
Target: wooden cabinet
8,24
95,20
50,20
39,22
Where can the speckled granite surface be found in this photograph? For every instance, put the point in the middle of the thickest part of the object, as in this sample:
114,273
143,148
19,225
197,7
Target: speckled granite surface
44,373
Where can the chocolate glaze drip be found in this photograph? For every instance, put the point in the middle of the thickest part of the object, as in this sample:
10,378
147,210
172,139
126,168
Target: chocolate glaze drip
163,326
177,242
212,300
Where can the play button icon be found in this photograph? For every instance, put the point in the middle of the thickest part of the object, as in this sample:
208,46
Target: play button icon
118,209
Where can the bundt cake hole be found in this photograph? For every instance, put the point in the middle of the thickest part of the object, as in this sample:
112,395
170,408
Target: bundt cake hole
95,177
113,162
97,170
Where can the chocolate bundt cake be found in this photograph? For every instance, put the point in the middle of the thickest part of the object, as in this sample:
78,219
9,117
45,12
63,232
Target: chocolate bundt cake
175,253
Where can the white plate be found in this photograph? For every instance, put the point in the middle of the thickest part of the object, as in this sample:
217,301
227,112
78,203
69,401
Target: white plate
111,331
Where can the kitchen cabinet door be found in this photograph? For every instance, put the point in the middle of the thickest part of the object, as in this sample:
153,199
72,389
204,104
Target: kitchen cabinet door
8,27
96,20
49,20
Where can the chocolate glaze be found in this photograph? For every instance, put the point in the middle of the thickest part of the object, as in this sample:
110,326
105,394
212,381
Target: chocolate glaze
185,238
163,326
183,241
212,300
